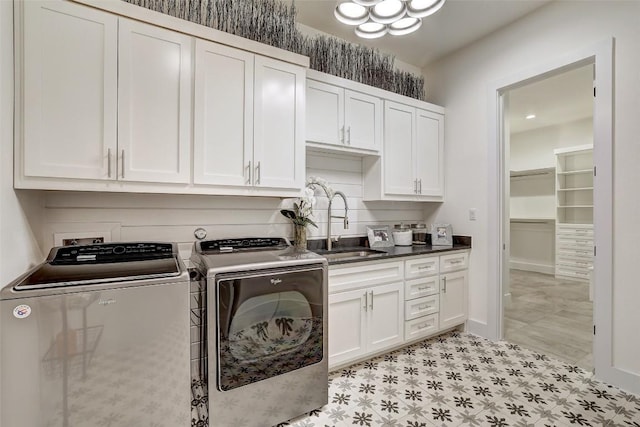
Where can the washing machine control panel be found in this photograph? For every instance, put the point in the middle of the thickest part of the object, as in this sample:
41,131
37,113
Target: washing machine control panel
111,252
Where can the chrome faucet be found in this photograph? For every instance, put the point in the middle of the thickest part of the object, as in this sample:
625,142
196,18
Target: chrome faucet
345,218
330,195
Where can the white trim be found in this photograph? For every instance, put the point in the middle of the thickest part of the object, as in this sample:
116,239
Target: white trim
601,54
531,266
476,328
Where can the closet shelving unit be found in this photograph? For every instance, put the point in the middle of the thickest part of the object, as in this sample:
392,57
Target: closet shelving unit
574,212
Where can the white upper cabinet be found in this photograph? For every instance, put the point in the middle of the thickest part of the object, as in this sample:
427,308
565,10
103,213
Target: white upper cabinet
223,115
363,120
278,134
69,83
412,167
399,149
154,104
429,153
107,103
247,125
325,113
343,118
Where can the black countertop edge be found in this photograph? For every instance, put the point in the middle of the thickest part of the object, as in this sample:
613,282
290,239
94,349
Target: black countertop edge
353,244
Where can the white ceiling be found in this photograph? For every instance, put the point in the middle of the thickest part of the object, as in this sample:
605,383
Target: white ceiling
457,24
558,99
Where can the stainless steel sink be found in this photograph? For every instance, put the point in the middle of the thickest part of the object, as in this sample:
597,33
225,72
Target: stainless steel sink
341,254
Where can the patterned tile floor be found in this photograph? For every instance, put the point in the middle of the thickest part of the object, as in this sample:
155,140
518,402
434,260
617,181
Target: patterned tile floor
460,379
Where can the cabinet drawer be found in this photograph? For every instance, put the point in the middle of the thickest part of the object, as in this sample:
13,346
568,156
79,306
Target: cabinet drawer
421,307
575,253
421,267
423,287
364,274
420,327
582,274
575,242
453,262
575,230
573,264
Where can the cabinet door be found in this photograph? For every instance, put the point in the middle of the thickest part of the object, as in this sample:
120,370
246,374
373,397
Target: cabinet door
399,131
325,113
347,329
223,115
154,104
278,136
70,90
453,299
429,152
363,120
385,316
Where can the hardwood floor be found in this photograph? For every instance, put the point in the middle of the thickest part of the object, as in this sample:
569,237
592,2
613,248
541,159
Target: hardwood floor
550,316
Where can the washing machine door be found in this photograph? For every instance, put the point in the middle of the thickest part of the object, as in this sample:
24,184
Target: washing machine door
269,322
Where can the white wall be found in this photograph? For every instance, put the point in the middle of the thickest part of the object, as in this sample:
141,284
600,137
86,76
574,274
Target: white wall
17,243
460,82
175,217
534,149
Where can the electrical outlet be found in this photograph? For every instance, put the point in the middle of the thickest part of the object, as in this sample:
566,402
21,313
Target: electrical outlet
473,213
73,241
81,238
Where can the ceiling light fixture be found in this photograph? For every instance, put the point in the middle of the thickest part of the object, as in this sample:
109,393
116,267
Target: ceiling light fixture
530,116
375,18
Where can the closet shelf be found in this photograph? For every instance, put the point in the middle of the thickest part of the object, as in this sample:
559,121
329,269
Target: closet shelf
531,172
576,172
576,189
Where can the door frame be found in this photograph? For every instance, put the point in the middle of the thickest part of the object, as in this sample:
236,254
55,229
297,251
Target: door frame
601,55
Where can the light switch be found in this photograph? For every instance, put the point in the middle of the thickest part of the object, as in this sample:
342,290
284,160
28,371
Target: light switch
473,212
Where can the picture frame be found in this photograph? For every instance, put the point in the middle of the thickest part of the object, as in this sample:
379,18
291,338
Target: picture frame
441,235
379,236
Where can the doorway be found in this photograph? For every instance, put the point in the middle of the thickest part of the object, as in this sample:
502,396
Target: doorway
549,154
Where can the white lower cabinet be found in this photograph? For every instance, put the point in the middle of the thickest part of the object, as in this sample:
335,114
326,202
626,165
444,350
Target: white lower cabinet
364,321
453,299
382,305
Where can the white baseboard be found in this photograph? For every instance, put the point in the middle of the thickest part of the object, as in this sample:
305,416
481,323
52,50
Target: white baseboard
480,329
532,266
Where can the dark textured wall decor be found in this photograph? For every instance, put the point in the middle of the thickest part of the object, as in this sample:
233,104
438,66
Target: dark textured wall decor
272,22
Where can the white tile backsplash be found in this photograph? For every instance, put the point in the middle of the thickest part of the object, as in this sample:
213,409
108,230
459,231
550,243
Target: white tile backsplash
167,217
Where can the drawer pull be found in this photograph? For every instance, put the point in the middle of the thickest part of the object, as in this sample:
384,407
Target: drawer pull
423,326
424,267
423,306
455,261
423,288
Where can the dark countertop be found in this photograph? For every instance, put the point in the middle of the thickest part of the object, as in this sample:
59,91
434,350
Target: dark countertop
359,244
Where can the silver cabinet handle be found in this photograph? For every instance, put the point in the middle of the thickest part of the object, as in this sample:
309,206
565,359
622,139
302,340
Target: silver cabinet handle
371,304
423,288
420,186
248,180
349,135
366,300
445,285
257,175
342,135
415,186
122,163
109,162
